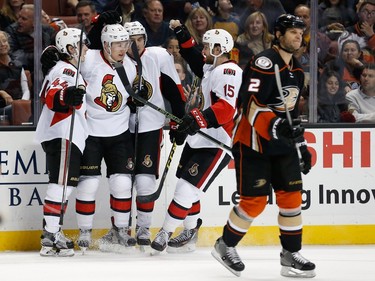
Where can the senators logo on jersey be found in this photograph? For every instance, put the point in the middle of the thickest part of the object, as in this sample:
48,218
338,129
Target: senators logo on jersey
110,98
145,84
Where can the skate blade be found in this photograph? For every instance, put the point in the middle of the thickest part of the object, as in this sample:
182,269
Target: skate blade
154,252
188,248
218,258
146,249
287,271
53,252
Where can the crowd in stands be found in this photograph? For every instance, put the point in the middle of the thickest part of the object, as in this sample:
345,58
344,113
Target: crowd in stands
345,38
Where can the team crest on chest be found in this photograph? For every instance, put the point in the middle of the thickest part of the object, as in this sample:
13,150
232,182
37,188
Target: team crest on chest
193,171
110,98
147,162
145,84
290,95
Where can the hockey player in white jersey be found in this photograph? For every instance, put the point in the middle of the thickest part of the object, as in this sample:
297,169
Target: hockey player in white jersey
63,88
201,161
159,79
109,136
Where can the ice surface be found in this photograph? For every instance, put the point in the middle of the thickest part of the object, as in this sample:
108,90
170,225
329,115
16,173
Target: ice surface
334,263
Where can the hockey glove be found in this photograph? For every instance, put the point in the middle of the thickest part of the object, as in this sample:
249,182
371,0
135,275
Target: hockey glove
72,96
108,17
50,56
143,93
280,128
305,165
183,36
176,136
192,122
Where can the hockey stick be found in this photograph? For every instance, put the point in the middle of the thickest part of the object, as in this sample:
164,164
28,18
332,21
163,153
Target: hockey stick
71,128
154,196
125,81
280,89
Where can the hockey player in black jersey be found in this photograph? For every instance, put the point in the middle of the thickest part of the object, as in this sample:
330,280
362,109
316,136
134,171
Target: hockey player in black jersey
265,151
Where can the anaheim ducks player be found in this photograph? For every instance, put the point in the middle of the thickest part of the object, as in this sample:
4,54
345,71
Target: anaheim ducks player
63,88
109,136
201,161
265,154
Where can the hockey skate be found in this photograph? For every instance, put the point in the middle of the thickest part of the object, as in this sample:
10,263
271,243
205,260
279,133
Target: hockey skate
228,257
295,265
186,241
84,239
56,245
160,242
108,241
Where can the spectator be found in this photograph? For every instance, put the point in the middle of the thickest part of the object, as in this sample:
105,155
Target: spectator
362,100
56,23
197,23
224,17
185,76
331,98
349,64
335,11
21,39
172,46
365,25
256,36
290,6
272,9
13,80
99,4
9,12
85,11
156,28
128,10
324,44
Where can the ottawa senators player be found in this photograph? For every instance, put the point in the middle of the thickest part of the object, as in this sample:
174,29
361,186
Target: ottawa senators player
63,88
264,149
201,161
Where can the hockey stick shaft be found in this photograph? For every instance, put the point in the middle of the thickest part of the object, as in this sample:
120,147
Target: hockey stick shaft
289,118
70,140
121,72
154,196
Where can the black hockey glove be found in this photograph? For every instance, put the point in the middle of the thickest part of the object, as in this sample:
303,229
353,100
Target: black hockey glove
280,128
143,93
72,96
108,17
178,137
183,35
305,165
50,56
192,122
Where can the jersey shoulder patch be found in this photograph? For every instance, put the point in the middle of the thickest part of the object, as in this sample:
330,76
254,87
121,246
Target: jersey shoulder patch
263,63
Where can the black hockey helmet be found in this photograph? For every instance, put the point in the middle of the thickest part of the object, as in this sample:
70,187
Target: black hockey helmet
286,21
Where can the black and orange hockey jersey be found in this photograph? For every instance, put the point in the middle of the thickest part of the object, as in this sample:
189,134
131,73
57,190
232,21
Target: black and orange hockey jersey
261,101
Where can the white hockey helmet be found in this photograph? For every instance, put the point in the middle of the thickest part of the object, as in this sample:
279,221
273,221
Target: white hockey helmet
220,37
135,28
69,36
114,33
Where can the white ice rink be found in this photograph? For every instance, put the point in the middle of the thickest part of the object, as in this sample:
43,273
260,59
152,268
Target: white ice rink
334,263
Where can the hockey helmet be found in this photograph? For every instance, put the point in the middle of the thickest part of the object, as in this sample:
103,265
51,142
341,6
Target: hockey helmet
286,21
69,36
135,28
220,37
114,33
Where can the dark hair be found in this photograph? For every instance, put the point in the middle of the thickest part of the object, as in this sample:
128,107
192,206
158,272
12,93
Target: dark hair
85,3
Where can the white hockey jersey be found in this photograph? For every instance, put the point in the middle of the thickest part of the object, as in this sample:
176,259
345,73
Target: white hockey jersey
221,83
107,112
53,124
148,118
155,60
